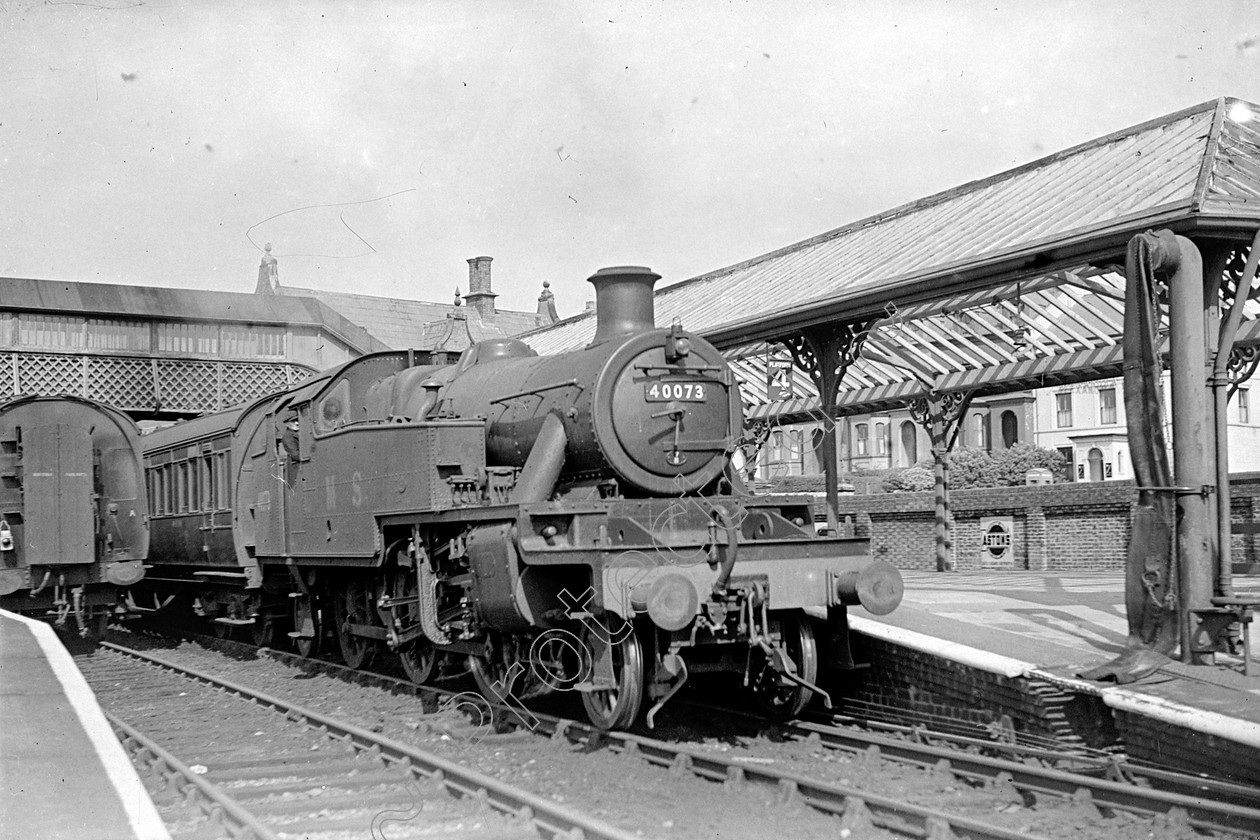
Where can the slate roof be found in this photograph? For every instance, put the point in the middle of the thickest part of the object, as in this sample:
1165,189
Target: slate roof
401,324
1192,170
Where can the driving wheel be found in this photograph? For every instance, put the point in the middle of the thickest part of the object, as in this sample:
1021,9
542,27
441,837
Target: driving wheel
350,606
616,707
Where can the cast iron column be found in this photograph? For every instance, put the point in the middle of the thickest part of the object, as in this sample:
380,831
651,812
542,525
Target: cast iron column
825,353
942,415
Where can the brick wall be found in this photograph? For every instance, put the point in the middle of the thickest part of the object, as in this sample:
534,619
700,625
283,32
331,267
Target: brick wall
1054,527
913,687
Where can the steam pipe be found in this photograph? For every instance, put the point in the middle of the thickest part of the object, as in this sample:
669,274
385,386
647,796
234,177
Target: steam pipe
1190,431
542,467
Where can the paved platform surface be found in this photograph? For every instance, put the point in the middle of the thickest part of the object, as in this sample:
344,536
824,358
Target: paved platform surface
1056,625
63,773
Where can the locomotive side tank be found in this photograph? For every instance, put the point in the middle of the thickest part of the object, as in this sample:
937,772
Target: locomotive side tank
74,525
565,522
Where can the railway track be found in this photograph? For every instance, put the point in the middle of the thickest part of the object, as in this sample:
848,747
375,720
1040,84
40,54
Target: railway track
1027,779
266,768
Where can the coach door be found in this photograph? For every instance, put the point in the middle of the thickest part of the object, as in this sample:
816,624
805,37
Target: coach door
58,472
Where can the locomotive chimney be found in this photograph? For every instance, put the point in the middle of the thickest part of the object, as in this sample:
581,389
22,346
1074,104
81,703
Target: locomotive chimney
624,302
479,296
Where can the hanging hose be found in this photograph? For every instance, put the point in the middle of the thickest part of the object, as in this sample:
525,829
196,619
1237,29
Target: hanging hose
1150,584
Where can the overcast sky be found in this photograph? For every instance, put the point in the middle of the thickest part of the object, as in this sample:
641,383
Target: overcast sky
378,145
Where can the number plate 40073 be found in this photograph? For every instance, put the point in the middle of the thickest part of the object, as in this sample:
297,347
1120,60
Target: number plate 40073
680,391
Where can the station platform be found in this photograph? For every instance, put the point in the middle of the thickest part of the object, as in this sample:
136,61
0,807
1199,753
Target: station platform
1050,627
63,773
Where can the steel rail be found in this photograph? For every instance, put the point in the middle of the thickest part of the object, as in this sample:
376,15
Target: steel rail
1087,764
550,819
1208,803
248,827
855,806
1043,780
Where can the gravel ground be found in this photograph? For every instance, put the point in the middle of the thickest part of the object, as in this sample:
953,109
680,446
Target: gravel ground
653,801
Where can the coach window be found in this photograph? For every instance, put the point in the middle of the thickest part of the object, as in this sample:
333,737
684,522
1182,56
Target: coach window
206,481
194,484
168,471
184,482
155,490
212,464
222,480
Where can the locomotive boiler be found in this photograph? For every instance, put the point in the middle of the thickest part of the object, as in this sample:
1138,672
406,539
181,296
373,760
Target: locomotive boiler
567,522
73,513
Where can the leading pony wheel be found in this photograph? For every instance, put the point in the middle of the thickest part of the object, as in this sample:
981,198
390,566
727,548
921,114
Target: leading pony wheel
617,707
779,697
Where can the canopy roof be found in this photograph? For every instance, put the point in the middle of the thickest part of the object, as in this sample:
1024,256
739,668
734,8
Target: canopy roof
1009,282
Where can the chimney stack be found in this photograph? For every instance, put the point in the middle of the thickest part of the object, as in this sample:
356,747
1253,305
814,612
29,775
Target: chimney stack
624,301
479,296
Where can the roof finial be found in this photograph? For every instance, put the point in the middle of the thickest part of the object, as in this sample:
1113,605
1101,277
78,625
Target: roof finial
547,305
268,273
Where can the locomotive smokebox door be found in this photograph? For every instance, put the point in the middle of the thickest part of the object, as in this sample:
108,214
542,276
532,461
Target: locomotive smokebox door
57,463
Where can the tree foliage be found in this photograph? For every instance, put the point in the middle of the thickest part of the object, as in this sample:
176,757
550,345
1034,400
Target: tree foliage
908,480
978,468
1003,467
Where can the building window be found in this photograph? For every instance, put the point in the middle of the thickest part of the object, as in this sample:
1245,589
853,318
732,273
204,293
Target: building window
980,431
59,331
1010,429
909,444
175,337
249,341
860,439
1069,459
1107,406
1063,409
881,439
117,334
1095,464
1244,407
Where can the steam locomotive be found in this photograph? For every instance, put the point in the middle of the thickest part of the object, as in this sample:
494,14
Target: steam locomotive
565,522
74,529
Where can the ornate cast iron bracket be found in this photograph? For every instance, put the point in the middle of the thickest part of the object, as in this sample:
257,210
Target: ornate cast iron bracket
1243,362
942,415
826,351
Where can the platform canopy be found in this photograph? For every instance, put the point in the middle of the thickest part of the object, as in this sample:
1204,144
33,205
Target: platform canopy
1007,283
